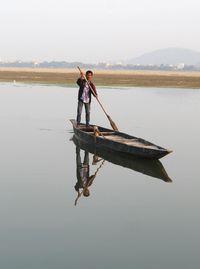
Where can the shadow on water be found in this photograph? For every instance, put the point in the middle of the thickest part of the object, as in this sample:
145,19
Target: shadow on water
152,168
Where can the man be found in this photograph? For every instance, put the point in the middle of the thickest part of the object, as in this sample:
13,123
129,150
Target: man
84,96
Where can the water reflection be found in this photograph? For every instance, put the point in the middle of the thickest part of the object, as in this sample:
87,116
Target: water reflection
152,168
84,179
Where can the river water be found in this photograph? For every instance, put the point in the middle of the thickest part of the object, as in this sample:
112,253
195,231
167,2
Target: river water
132,218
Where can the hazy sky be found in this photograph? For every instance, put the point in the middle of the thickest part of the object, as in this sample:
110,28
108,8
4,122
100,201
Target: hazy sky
95,30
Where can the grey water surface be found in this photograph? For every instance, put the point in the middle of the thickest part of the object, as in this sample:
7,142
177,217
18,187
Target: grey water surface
131,219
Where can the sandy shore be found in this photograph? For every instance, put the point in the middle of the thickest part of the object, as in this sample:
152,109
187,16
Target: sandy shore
103,77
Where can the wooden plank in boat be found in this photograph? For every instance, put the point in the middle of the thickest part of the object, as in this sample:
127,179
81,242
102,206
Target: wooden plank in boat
119,138
104,133
131,142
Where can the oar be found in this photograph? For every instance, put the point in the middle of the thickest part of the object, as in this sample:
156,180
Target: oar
113,125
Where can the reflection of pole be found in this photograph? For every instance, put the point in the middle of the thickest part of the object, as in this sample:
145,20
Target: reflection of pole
89,183
98,169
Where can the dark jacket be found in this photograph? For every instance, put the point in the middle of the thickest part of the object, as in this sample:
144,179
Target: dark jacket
81,83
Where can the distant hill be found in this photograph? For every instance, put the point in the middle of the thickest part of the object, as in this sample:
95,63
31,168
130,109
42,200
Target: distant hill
168,56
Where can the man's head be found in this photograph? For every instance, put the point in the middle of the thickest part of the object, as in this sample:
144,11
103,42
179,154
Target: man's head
89,75
86,192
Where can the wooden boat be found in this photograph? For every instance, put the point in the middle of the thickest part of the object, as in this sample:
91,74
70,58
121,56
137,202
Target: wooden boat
118,141
152,168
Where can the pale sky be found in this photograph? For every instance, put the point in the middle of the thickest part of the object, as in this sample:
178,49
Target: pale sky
95,31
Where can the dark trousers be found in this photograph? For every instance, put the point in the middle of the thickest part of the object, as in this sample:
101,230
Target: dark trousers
87,112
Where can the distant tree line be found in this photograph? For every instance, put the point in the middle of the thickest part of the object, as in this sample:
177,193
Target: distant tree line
63,64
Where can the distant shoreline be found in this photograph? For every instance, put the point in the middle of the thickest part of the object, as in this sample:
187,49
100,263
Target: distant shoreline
124,78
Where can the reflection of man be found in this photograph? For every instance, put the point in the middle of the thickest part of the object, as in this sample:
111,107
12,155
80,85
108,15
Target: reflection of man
82,174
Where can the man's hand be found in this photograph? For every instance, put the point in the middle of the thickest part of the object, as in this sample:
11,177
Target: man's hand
81,74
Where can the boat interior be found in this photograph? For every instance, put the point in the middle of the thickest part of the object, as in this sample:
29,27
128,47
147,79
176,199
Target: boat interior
117,137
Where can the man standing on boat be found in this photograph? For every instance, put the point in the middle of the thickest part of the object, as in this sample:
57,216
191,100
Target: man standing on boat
84,95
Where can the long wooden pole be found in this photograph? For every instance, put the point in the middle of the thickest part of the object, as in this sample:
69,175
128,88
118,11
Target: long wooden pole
113,125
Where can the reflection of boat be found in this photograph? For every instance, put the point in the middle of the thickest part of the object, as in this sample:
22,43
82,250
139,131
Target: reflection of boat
118,141
153,168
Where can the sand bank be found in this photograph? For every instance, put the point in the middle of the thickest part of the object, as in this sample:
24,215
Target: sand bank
103,77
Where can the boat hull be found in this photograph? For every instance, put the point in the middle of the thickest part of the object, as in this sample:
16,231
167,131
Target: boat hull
152,168
100,142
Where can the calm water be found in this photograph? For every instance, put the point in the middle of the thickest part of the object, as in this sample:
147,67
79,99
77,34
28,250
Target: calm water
131,219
